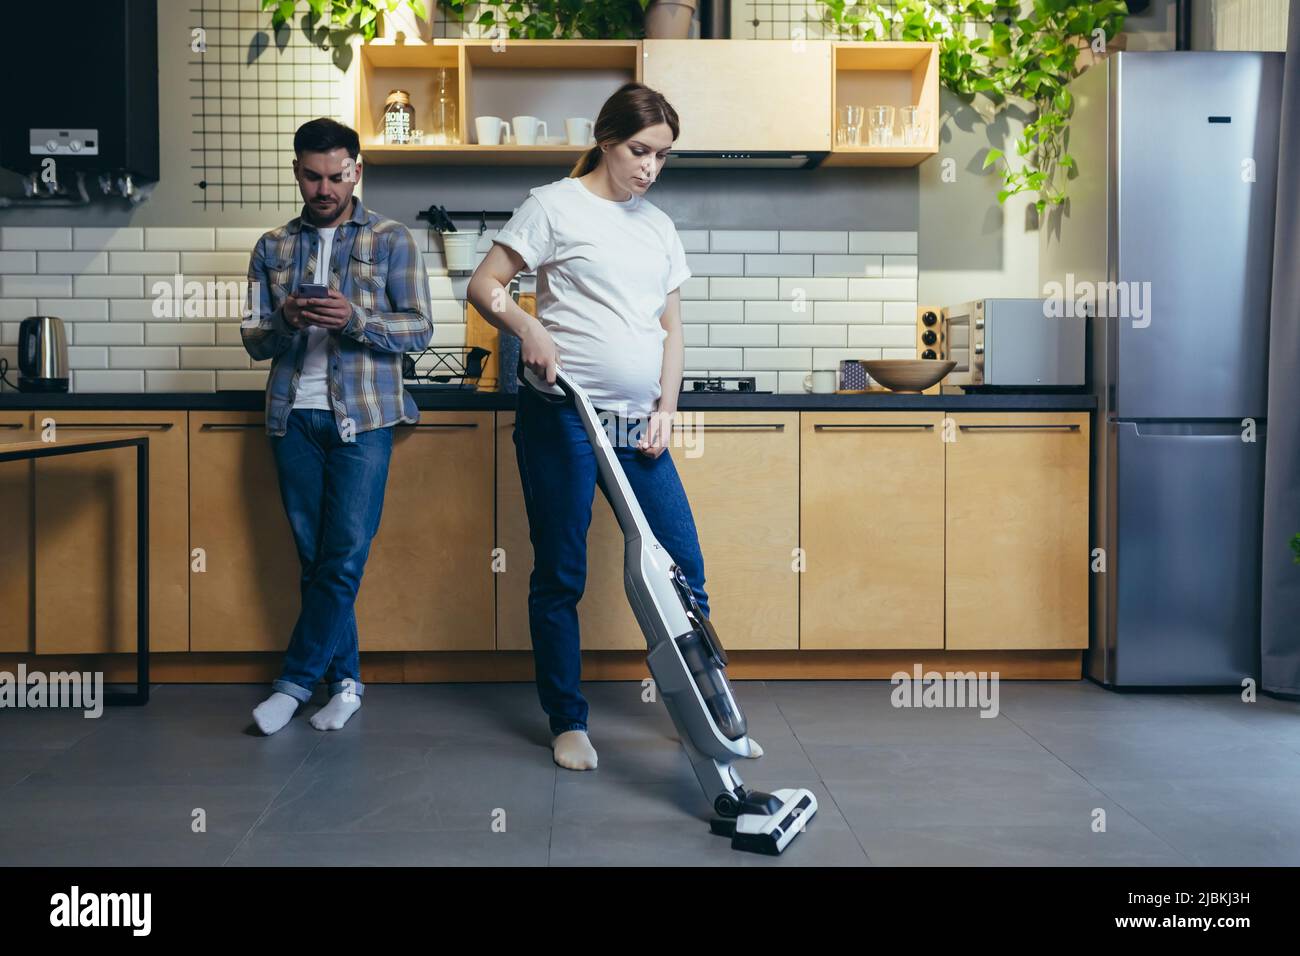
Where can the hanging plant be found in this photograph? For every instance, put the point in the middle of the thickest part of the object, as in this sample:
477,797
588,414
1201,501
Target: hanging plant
988,47
1295,547
331,24
555,19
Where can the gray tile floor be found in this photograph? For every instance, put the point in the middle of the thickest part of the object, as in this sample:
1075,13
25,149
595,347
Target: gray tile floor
420,774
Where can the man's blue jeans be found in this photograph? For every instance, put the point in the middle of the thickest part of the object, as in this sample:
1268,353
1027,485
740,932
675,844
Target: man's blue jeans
557,467
333,493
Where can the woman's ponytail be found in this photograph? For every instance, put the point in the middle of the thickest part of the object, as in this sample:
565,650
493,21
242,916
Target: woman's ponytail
588,161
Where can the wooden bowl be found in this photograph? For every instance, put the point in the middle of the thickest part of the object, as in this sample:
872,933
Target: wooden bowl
908,375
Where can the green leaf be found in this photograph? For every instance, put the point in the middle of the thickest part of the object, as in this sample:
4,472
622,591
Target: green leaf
993,156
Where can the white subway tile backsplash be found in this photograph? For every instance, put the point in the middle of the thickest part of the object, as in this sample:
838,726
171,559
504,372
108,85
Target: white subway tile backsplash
17,263
173,381
243,240
253,378
883,289
140,263
108,333
785,264
100,381
82,310
35,237
731,287
215,357
17,308
847,265
34,285
893,242
778,358
692,335
797,287
715,264
810,335
744,240
146,357
448,336
711,311
715,359
799,240
743,335
177,333
884,336
900,267
694,240
217,263
848,313
763,302
83,356
112,237
696,287
791,310
177,239
109,287
901,313
88,262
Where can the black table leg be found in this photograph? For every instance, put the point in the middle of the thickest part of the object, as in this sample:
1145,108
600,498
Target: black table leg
141,695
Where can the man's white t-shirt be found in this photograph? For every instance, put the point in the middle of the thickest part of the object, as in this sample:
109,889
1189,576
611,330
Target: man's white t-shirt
313,385
604,270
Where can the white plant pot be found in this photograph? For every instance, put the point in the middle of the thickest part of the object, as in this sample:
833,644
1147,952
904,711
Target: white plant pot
403,26
669,19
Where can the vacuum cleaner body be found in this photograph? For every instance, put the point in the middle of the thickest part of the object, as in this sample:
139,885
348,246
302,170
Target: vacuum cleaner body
686,658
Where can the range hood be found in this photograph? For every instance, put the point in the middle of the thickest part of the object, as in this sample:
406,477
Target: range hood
751,159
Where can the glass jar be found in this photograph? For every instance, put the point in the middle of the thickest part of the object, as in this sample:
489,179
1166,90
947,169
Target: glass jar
399,118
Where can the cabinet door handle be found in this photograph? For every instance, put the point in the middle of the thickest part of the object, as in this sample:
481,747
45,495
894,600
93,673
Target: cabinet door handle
732,426
866,427
110,426
1019,428
229,426
12,425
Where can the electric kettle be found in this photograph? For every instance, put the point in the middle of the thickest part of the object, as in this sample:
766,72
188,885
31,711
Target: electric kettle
42,355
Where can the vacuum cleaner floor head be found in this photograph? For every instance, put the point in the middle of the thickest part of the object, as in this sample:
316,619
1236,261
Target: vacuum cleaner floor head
784,816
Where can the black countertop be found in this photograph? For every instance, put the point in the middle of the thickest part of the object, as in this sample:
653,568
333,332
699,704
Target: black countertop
464,400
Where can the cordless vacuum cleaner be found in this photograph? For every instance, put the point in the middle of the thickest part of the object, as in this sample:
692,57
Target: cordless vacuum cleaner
686,658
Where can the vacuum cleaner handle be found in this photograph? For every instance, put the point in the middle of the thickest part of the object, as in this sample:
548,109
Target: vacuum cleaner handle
561,393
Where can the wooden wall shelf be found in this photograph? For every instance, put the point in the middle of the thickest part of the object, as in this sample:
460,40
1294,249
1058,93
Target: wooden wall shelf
735,95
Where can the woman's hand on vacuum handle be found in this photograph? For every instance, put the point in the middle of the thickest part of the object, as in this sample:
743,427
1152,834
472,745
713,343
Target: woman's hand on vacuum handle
539,352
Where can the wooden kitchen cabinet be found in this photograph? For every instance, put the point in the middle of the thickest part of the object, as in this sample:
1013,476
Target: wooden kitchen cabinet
750,95
1017,532
247,598
743,488
18,556
872,528
84,510
429,584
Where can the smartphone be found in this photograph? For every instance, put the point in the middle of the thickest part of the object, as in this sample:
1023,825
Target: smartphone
309,290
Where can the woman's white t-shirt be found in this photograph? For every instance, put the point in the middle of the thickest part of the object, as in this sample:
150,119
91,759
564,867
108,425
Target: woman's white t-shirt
604,270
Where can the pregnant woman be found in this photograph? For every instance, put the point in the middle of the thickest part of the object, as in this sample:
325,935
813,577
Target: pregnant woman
608,266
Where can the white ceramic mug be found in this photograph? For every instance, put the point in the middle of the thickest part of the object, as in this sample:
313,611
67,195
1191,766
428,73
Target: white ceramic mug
489,129
820,382
578,130
526,129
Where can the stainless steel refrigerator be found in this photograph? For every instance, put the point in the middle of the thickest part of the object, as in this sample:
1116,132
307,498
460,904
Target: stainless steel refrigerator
1174,203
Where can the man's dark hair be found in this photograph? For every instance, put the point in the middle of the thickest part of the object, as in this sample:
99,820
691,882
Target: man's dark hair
322,135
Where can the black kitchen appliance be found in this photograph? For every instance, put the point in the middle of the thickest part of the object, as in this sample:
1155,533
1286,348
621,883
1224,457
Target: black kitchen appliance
42,354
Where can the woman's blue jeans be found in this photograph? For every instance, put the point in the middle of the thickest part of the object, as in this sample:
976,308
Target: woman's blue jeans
557,467
333,493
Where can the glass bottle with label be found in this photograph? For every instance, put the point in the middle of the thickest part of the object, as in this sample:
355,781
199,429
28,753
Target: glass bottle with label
399,118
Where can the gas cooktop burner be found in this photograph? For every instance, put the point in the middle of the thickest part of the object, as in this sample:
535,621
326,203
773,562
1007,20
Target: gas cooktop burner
721,383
